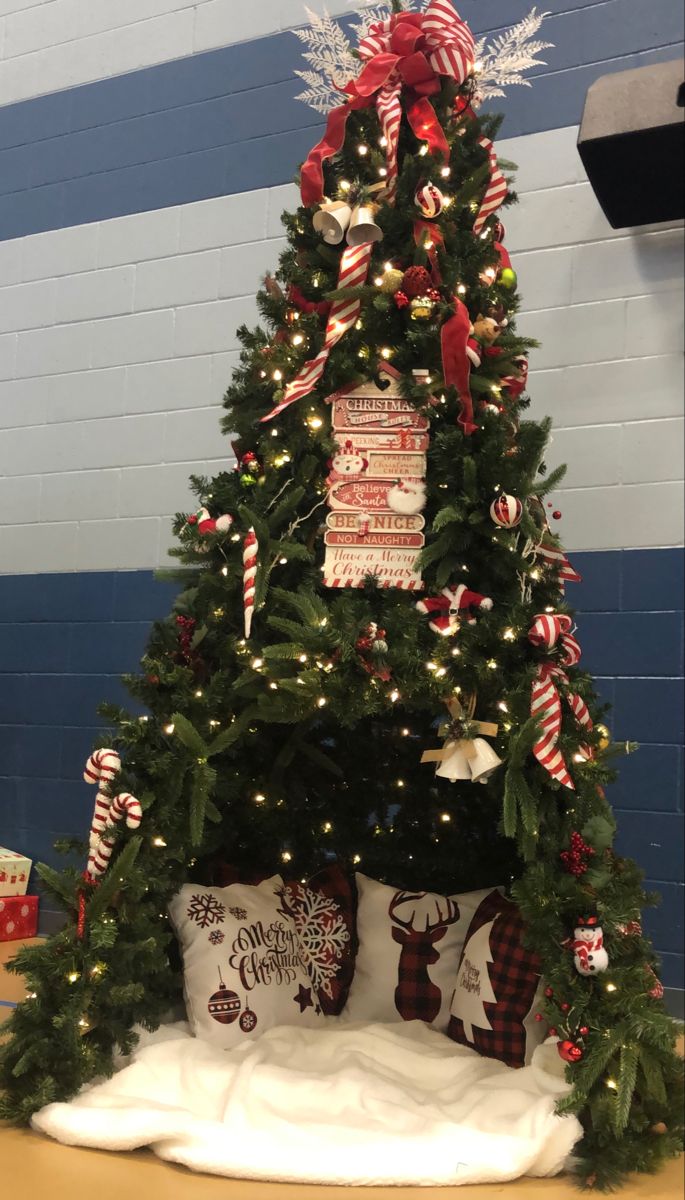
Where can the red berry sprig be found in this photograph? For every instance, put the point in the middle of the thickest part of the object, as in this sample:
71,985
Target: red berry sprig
575,859
186,629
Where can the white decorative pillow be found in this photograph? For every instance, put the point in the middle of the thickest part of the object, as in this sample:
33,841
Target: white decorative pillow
410,944
242,971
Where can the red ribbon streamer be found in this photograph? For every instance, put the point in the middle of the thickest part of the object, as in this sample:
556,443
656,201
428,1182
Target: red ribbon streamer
456,367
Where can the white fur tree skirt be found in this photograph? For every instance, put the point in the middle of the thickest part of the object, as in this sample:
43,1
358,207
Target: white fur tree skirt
343,1104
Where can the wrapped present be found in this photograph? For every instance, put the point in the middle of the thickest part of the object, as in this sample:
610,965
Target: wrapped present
14,873
18,917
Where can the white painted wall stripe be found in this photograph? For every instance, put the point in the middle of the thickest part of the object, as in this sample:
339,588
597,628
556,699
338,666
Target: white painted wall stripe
48,45
117,341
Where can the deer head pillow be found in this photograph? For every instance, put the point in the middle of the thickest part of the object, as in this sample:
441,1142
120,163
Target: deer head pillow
410,944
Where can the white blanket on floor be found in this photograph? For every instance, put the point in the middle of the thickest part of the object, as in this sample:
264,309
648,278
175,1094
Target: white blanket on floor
344,1104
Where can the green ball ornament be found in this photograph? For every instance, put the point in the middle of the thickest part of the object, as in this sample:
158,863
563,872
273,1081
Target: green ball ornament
247,481
391,281
507,278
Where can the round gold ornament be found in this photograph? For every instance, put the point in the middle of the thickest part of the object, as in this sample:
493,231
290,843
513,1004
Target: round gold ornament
604,737
421,308
391,281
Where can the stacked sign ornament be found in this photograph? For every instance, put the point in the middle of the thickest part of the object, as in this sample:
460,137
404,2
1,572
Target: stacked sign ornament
465,754
376,488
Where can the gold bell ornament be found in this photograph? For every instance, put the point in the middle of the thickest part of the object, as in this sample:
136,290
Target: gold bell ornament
332,221
363,227
464,754
421,308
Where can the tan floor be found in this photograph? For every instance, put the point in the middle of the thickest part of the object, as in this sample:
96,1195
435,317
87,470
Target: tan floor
68,1173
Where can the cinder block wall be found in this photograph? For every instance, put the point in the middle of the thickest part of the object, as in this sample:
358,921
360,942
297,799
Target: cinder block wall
146,150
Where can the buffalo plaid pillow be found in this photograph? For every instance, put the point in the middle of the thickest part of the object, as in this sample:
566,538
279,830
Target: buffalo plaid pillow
498,986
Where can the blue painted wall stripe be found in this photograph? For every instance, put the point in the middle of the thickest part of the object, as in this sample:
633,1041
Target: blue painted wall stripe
65,639
227,120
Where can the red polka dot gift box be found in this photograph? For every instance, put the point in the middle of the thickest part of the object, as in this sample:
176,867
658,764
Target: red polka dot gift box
18,917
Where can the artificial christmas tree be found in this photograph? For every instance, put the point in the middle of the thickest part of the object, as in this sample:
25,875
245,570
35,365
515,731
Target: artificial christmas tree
381,446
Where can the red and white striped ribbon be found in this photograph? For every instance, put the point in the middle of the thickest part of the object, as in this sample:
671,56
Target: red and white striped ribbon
354,269
123,805
555,556
545,705
389,111
547,630
250,556
496,189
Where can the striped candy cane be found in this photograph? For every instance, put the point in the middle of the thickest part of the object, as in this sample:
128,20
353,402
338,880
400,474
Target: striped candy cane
250,554
100,769
123,805
354,269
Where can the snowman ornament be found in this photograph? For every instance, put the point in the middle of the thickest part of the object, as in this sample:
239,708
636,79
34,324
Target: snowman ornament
589,955
347,463
407,496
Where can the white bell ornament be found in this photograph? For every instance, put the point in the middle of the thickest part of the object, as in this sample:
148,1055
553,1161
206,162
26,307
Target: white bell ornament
332,221
483,761
363,227
455,763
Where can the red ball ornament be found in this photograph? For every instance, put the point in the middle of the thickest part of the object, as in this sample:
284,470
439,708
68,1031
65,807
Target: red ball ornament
499,232
556,514
539,1017
549,992
506,511
192,519
224,1006
569,1051
248,1021
416,281
429,200
552,1032
584,1030
565,1006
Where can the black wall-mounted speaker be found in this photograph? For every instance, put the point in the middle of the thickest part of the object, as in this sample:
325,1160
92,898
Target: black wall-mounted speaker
632,145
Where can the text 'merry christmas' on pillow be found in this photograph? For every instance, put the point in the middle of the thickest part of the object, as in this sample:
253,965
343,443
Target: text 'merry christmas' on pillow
498,986
242,969
409,948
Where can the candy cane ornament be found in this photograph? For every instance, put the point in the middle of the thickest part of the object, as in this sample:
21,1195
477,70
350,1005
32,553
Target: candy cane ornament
100,769
250,555
123,806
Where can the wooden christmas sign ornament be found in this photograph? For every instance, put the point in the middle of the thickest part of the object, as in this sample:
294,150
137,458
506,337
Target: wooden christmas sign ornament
376,488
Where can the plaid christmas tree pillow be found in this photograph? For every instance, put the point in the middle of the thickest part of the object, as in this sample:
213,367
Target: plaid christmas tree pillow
498,986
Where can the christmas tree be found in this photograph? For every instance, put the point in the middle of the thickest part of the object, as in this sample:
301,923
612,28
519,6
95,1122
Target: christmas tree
474,982
375,577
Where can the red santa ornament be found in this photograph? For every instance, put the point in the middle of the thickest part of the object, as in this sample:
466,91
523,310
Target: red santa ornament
446,609
506,511
207,524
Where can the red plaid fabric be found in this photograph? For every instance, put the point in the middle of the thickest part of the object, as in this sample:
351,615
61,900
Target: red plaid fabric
416,997
514,976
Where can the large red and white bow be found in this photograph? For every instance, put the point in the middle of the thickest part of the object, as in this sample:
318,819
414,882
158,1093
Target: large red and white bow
354,268
408,50
547,631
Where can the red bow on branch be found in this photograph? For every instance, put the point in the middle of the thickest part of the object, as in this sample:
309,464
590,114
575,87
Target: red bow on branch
408,50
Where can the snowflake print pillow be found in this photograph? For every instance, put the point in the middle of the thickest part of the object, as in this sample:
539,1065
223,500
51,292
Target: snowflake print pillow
242,964
323,912
498,986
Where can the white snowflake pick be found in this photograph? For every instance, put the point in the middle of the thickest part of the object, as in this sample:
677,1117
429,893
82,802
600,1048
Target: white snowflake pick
503,62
